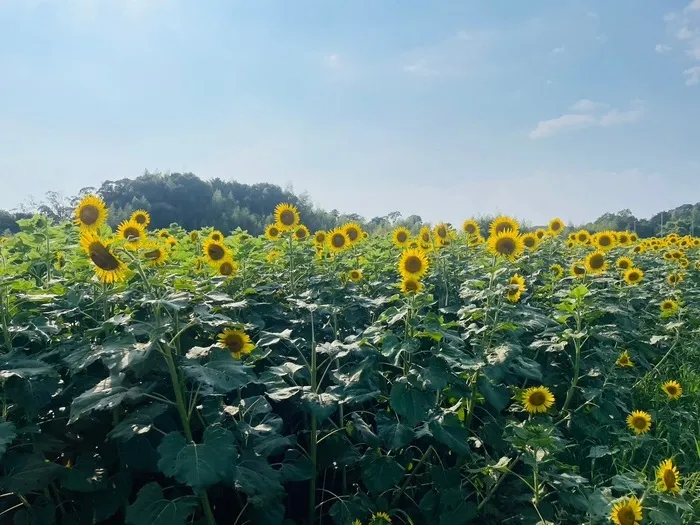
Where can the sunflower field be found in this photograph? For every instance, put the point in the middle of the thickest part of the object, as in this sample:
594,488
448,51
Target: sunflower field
424,377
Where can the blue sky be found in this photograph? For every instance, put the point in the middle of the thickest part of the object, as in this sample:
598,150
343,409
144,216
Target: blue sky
445,109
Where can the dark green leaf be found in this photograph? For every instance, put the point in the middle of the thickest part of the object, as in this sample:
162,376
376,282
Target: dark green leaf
380,473
7,435
151,508
392,432
222,374
105,395
138,422
410,402
26,473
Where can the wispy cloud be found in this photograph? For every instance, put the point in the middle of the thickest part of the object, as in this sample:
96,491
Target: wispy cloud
555,126
684,26
616,117
692,75
586,106
662,48
558,50
576,121
420,68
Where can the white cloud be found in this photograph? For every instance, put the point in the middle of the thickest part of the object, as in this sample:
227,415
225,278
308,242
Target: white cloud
692,76
558,50
616,117
420,68
586,106
694,5
548,128
684,33
577,121
662,48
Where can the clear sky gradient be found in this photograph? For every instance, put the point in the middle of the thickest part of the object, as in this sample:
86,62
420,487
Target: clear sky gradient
445,109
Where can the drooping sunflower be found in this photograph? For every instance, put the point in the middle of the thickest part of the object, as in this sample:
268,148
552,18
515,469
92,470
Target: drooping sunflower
627,511
355,275
273,256
578,269
214,251
476,240
142,217
530,241
273,232
471,227
557,271
413,263
503,223
674,278
516,286
668,307
537,399
583,237
411,285
401,236
320,238
171,242
155,254
673,389
624,360
108,268
604,240
286,216
301,233
236,341
132,233
380,518
194,236
556,226
595,262
634,276
507,244
667,477
570,244
338,240
639,421
91,213
226,267
353,232
624,263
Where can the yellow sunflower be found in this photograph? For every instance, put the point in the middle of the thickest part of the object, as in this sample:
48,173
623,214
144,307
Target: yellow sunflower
604,240
639,421
424,237
471,227
530,241
216,236
624,263
380,518
320,238
286,216
338,240
410,285
171,242
633,237
624,360
442,233
627,511
273,232
634,276
578,269
583,237
353,232
537,399
236,341
623,239
163,234
684,263
540,233
154,254
507,244
226,267
503,223
667,477
132,233
557,271
673,389
301,233
401,236
556,226
214,251
194,236
355,275
108,268
413,263
668,307
516,286
674,278
595,262
141,217
273,256
91,213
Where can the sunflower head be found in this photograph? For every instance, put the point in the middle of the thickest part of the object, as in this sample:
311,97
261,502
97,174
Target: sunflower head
673,389
380,518
163,234
507,244
155,254
578,269
91,213
595,262
273,256
639,422
353,231
355,275
301,233
286,216
401,237
557,271
424,236
516,286
530,241
338,240
132,233
633,237
667,477
108,268
624,263
624,360
214,251
623,238
141,217
503,223
582,236
604,240
674,278
668,307
273,232
320,237
227,267
540,233
235,341
171,242
537,399
411,285
471,227
194,236
413,263
627,511
556,226
634,276
442,232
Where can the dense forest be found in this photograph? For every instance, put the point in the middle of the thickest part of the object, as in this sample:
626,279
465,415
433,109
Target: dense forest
187,200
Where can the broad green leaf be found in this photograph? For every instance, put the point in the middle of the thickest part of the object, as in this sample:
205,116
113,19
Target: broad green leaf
361,431
7,435
27,473
321,405
31,394
140,421
87,475
448,430
392,432
296,467
410,402
380,473
222,374
151,508
105,395
254,476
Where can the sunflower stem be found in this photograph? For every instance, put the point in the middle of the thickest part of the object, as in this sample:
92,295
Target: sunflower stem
577,361
313,445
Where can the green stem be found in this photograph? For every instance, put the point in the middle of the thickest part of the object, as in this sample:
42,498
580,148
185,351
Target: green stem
577,361
422,461
313,445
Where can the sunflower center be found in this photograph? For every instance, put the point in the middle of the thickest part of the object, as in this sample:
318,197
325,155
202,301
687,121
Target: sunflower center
442,231
401,237
352,234
626,516
102,257
669,479
320,238
470,229
300,234
287,217
505,246
153,255
132,234
338,241
604,240
215,252
141,219
537,399
556,226
354,274
234,342
413,264
624,360
597,261
411,286
425,238
624,265
582,237
667,305
623,239
639,423
226,268
274,231
579,270
529,242
671,390
634,276
89,214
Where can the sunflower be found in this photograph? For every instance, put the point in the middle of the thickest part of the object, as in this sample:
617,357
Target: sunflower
540,233
674,278
320,238
668,307
194,236
236,341
198,264
413,263
604,240
141,217
410,285
476,240
286,216
273,232
556,226
570,244
633,237
301,233
639,421
133,233
442,232
530,241
684,263
537,399
634,276
578,269
623,239
171,242
507,244
216,236
583,237
353,231
401,236
273,256
595,262
91,213
227,267
503,223
638,249
627,511
355,275
624,263
163,234
673,389
424,237
471,227
60,260
155,254
516,286
667,477
624,360
214,251
338,240
572,236
108,268
380,518
557,271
